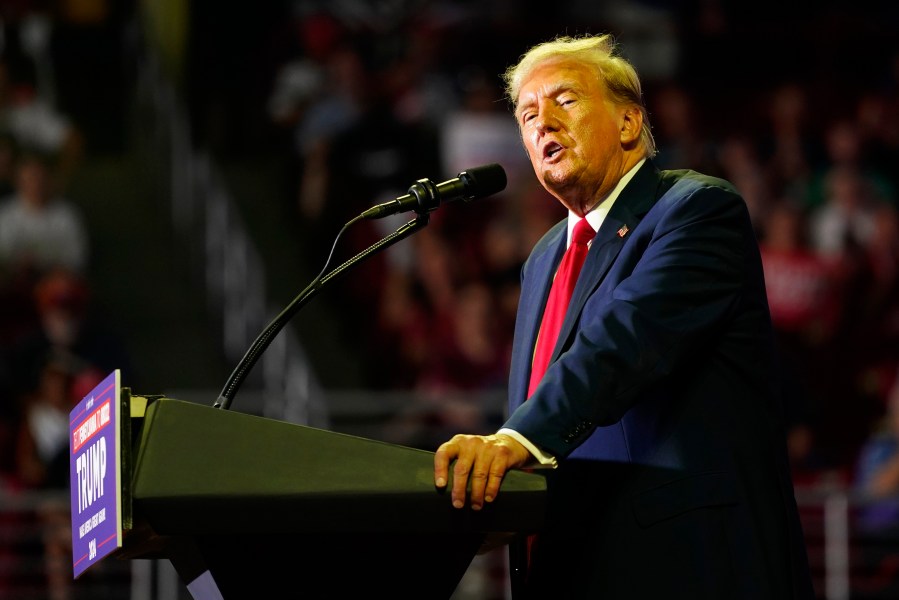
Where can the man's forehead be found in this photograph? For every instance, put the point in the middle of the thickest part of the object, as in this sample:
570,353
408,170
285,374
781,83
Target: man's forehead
554,76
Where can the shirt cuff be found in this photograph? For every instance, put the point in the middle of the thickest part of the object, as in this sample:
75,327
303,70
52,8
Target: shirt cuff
543,459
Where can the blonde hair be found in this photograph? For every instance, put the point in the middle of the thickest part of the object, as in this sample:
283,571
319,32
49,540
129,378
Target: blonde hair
601,51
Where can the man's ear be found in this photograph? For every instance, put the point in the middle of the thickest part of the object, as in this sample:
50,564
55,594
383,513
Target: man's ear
631,125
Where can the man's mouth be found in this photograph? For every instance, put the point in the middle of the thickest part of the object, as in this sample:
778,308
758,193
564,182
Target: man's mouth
551,150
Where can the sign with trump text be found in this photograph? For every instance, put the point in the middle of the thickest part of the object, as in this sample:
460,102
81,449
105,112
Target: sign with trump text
94,450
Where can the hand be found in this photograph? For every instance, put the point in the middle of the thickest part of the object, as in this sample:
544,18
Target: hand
486,458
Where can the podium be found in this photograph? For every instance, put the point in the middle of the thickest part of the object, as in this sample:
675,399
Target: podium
269,509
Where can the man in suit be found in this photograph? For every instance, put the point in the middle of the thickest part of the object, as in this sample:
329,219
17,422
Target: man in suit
654,408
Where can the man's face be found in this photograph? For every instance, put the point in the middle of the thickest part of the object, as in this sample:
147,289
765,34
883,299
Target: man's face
572,132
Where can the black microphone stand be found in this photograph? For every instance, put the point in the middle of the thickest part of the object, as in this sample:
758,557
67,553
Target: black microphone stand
265,338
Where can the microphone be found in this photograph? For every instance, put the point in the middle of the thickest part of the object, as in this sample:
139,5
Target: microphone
424,196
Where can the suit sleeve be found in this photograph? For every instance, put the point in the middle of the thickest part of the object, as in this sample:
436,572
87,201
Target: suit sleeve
670,293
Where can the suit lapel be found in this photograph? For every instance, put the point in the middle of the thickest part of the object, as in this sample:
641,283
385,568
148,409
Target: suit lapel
634,202
534,291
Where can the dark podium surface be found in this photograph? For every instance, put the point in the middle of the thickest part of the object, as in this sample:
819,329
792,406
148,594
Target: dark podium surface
278,510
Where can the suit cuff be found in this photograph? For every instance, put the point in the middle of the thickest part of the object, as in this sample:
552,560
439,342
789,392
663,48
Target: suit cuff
543,459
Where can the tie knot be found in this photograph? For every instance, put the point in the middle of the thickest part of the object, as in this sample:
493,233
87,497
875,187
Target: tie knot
582,233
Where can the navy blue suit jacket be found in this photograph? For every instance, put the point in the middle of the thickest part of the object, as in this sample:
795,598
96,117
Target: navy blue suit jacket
661,404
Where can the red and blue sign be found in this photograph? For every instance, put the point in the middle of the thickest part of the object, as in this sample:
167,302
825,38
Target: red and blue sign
95,470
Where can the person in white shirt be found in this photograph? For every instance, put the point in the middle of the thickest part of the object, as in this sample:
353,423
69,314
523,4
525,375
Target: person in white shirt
38,230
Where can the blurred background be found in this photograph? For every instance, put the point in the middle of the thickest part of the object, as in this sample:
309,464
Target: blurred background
173,173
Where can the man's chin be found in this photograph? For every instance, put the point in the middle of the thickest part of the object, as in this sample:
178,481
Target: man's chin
557,180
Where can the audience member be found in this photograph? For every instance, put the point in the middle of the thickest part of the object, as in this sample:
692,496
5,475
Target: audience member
40,230
876,324
422,91
804,300
845,222
682,141
480,132
39,233
43,445
876,481
318,97
803,290
67,327
790,144
468,352
877,117
37,127
402,328
739,162
42,454
877,470
844,144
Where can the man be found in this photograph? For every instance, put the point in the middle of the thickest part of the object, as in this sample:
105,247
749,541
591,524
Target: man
658,408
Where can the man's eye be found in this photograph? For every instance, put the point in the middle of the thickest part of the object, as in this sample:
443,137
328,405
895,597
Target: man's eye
566,101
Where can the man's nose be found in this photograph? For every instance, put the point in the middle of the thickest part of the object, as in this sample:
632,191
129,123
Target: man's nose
547,121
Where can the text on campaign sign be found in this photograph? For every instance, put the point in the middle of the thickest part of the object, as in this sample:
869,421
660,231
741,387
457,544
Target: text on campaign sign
95,470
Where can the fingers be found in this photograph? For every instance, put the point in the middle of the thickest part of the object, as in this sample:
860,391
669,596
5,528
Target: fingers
487,474
481,462
461,471
498,470
442,458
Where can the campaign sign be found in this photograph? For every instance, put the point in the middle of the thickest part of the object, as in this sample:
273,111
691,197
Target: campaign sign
94,467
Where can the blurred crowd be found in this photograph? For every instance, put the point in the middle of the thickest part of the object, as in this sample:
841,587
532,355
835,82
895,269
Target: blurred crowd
54,346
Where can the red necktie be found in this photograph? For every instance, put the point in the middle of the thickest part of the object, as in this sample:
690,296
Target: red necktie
553,315
559,298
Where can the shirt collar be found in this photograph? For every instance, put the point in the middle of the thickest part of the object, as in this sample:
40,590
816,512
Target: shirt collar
598,214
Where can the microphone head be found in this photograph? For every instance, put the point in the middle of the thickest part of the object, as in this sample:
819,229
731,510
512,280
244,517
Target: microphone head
483,181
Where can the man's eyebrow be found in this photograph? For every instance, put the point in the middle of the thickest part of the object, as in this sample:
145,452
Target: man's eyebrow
552,91
522,106
563,86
